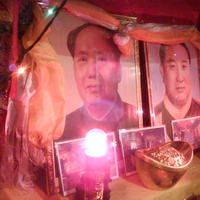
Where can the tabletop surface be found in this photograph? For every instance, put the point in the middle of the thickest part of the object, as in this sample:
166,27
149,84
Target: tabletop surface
123,188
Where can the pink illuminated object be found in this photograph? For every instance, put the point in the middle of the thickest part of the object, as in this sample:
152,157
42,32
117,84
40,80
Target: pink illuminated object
96,142
95,179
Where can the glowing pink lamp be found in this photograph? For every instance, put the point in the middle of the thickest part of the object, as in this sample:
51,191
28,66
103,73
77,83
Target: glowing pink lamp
94,182
96,142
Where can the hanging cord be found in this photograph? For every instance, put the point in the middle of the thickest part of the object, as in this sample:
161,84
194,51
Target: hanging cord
42,33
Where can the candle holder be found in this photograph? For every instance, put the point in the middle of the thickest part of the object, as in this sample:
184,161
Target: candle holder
94,184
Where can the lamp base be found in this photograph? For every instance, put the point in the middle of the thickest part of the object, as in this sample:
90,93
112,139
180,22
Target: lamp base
82,192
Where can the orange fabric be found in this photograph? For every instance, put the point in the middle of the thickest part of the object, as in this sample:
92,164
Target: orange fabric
150,32
195,39
46,106
126,49
124,43
159,33
92,14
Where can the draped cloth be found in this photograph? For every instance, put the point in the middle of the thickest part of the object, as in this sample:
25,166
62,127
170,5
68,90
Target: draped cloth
38,96
36,108
47,104
157,33
149,32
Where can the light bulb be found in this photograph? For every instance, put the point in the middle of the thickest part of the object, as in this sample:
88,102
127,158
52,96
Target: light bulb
21,70
96,142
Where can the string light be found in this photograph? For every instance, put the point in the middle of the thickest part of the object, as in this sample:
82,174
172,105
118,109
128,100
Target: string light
21,70
50,11
42,33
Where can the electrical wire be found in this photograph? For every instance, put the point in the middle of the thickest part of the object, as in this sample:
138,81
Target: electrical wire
18,62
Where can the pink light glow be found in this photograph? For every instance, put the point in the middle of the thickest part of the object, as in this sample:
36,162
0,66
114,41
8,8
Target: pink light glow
96,141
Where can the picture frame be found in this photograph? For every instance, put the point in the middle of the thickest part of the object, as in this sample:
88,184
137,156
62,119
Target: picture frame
130,69
70,170
187,130
135,139
130,82
157,87
70,156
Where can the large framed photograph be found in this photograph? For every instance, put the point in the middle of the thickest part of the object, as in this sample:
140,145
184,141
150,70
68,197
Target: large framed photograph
102,87
135,139
173,82
70,156
187,130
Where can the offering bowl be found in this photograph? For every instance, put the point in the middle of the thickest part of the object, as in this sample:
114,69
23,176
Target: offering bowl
161,167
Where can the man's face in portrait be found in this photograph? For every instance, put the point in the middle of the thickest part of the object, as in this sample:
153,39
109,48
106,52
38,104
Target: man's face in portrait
97,70
176,73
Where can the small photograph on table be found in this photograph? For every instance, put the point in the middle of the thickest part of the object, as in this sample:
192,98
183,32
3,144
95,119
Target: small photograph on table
71,161
187,130
135,139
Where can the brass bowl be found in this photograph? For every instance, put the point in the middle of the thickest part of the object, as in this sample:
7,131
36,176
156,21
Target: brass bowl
158,176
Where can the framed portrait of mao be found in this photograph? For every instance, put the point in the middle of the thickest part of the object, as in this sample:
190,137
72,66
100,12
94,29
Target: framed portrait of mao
102,86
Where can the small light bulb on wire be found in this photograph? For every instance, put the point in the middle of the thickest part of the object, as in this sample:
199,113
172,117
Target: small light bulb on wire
50,11
21,70
57,11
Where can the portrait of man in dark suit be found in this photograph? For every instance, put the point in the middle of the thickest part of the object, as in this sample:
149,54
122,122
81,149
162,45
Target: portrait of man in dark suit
178,102
97,71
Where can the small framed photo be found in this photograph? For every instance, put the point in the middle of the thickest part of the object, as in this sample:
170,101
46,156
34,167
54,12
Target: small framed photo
70,156
187,130
135,139
71,162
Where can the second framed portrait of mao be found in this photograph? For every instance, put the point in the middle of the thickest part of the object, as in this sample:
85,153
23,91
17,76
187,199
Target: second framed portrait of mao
102,86
173,82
